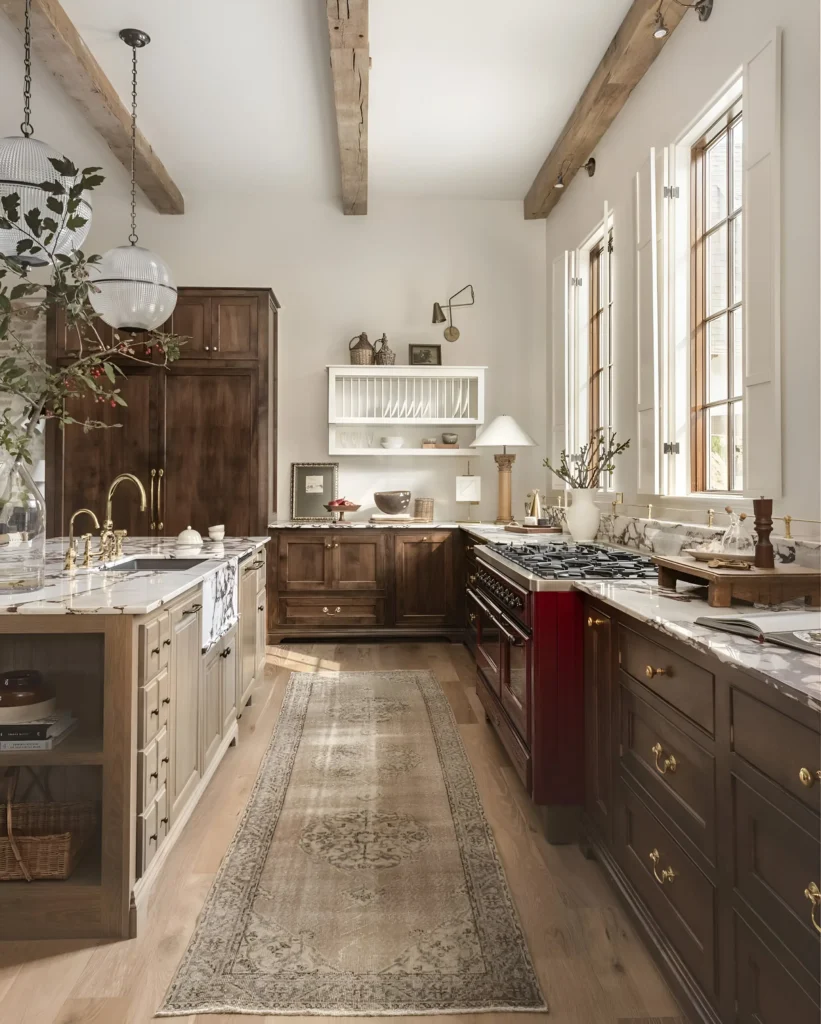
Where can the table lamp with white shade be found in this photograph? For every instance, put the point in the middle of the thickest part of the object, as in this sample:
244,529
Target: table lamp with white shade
503,432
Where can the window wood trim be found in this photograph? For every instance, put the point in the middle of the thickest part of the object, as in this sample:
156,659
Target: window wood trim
700,319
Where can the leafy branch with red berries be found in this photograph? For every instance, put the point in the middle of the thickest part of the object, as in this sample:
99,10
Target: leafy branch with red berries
36,391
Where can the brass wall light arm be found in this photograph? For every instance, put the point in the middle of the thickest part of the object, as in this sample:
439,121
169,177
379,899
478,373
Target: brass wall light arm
451,332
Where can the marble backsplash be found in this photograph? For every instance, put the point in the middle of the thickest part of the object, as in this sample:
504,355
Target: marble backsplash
657,536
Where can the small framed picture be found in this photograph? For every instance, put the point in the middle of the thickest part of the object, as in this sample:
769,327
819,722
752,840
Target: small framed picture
425,355
313,485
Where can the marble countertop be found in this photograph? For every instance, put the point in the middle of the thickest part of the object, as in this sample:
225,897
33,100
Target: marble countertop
484,531
793,673
105,591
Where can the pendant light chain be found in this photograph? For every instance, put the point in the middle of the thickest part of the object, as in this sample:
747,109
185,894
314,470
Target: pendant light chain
26,127
133,236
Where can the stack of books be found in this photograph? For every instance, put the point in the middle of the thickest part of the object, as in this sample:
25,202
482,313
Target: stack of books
39,734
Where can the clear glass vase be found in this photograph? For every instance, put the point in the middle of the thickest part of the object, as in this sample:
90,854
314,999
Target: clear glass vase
22,529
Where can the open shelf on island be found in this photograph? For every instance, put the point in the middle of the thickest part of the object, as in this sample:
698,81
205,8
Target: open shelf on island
79,748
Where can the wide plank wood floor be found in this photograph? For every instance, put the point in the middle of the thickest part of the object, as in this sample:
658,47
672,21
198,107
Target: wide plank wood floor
592,966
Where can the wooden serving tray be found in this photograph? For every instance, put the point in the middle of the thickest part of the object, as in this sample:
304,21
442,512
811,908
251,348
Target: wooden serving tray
515,528
762,586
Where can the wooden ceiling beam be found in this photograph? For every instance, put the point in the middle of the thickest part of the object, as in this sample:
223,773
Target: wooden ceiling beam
57,43
350,66
629,55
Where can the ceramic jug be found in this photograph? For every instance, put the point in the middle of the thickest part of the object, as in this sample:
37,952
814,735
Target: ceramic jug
362,351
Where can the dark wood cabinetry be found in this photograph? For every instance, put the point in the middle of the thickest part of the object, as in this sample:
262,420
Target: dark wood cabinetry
423,569
328,581
200,434
702,803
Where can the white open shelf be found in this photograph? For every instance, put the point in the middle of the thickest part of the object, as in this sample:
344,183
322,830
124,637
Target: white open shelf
403,396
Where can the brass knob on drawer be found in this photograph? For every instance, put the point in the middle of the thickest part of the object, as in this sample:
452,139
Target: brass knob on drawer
163,821
165,760
337,610
669,764
325,611
166,700
807,777
651,672
591,622
154,775
813,894
667,874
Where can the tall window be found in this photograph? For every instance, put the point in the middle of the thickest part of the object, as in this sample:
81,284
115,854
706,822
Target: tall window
600,334
717,365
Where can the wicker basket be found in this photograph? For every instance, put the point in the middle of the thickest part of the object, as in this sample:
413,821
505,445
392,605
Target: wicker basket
423,510
43,840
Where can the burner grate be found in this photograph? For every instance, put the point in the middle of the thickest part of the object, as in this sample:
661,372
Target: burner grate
562,561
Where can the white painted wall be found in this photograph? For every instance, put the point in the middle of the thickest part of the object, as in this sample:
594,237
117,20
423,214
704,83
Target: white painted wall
694,65
336,276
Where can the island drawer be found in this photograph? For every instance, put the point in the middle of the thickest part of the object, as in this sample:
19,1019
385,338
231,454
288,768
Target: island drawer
685,686
255,565
776,860
155,646
147,835
675,770
679,895
149,709
149,773
786,751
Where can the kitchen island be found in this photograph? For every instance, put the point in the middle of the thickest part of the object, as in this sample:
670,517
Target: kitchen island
155,664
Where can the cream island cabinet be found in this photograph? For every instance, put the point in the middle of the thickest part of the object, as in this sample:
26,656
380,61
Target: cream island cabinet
155,669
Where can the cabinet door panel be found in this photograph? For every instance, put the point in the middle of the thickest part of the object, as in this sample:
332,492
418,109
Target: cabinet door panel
598,718
766,992
90,461
192,319
262,618
424,579
210,440
212,704
359,564
305,562
234,326
248,632
230,665
185,671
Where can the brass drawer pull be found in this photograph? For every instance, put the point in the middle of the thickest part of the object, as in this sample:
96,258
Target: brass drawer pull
651,672
154,775
807,777
156,650
165,760
192,610
669,764
166,643
813,894
667,874
163,821
327,611
166,700
260,607
591,622
153,839
258,564
155,711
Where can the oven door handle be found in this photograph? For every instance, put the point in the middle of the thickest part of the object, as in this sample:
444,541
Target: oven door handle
499,620
520,637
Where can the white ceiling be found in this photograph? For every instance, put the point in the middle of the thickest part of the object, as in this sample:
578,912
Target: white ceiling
466,99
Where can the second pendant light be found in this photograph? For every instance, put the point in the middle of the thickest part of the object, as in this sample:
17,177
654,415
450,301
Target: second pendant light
135,289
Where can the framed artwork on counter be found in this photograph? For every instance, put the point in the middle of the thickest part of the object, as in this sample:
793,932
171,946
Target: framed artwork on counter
313,485
425,355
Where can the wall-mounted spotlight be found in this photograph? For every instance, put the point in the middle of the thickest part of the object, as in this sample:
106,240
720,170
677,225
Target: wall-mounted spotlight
703,8
661,30
559,181
590,166
451,332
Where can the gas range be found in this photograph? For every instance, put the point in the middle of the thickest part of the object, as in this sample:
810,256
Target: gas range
556,565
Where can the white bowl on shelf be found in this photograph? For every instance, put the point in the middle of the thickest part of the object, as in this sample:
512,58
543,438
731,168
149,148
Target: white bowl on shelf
391,442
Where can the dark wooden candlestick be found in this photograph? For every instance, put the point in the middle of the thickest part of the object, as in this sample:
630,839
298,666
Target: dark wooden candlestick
763,508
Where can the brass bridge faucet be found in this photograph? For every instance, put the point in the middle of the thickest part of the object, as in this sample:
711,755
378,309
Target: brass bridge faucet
111,540
71,554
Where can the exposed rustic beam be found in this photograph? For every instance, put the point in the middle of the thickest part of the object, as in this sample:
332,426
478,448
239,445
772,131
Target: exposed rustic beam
628,57
58,44
350,64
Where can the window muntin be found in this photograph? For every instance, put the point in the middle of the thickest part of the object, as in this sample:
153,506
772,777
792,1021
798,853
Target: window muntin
600,343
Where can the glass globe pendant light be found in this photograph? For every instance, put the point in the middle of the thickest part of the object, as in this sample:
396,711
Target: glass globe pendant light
25,168
134,289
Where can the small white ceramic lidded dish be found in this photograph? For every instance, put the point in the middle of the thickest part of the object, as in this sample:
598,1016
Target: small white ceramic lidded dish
189,542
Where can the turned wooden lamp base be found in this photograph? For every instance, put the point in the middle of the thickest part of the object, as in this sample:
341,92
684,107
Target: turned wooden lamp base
505,511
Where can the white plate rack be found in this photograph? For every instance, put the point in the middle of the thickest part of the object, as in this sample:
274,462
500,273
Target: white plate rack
391,397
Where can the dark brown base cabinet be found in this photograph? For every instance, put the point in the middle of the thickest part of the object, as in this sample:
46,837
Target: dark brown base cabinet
328,581
699,809
200,435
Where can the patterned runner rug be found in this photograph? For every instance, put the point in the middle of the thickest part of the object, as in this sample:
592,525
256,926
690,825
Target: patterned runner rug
363,878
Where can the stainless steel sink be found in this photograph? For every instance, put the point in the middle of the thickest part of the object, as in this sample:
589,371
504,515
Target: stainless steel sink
156,565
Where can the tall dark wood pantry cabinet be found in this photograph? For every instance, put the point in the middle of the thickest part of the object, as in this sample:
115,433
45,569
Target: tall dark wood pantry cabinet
200,434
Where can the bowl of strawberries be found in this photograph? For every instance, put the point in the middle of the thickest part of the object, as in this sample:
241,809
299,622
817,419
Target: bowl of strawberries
339,506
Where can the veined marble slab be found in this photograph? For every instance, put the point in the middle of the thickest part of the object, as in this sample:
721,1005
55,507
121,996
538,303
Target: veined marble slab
109,592
794,673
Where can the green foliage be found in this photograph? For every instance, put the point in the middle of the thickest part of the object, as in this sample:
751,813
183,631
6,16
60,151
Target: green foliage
594,458
60,392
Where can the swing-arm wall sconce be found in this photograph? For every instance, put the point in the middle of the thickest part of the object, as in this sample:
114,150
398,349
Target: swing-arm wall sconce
451,332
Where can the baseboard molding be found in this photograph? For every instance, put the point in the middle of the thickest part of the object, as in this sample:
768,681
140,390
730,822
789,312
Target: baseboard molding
695,1004
141,893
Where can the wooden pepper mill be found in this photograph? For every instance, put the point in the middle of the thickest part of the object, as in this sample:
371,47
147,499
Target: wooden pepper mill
763,508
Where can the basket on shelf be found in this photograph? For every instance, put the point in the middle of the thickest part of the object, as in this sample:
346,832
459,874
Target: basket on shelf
362,351
42,840
423,510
